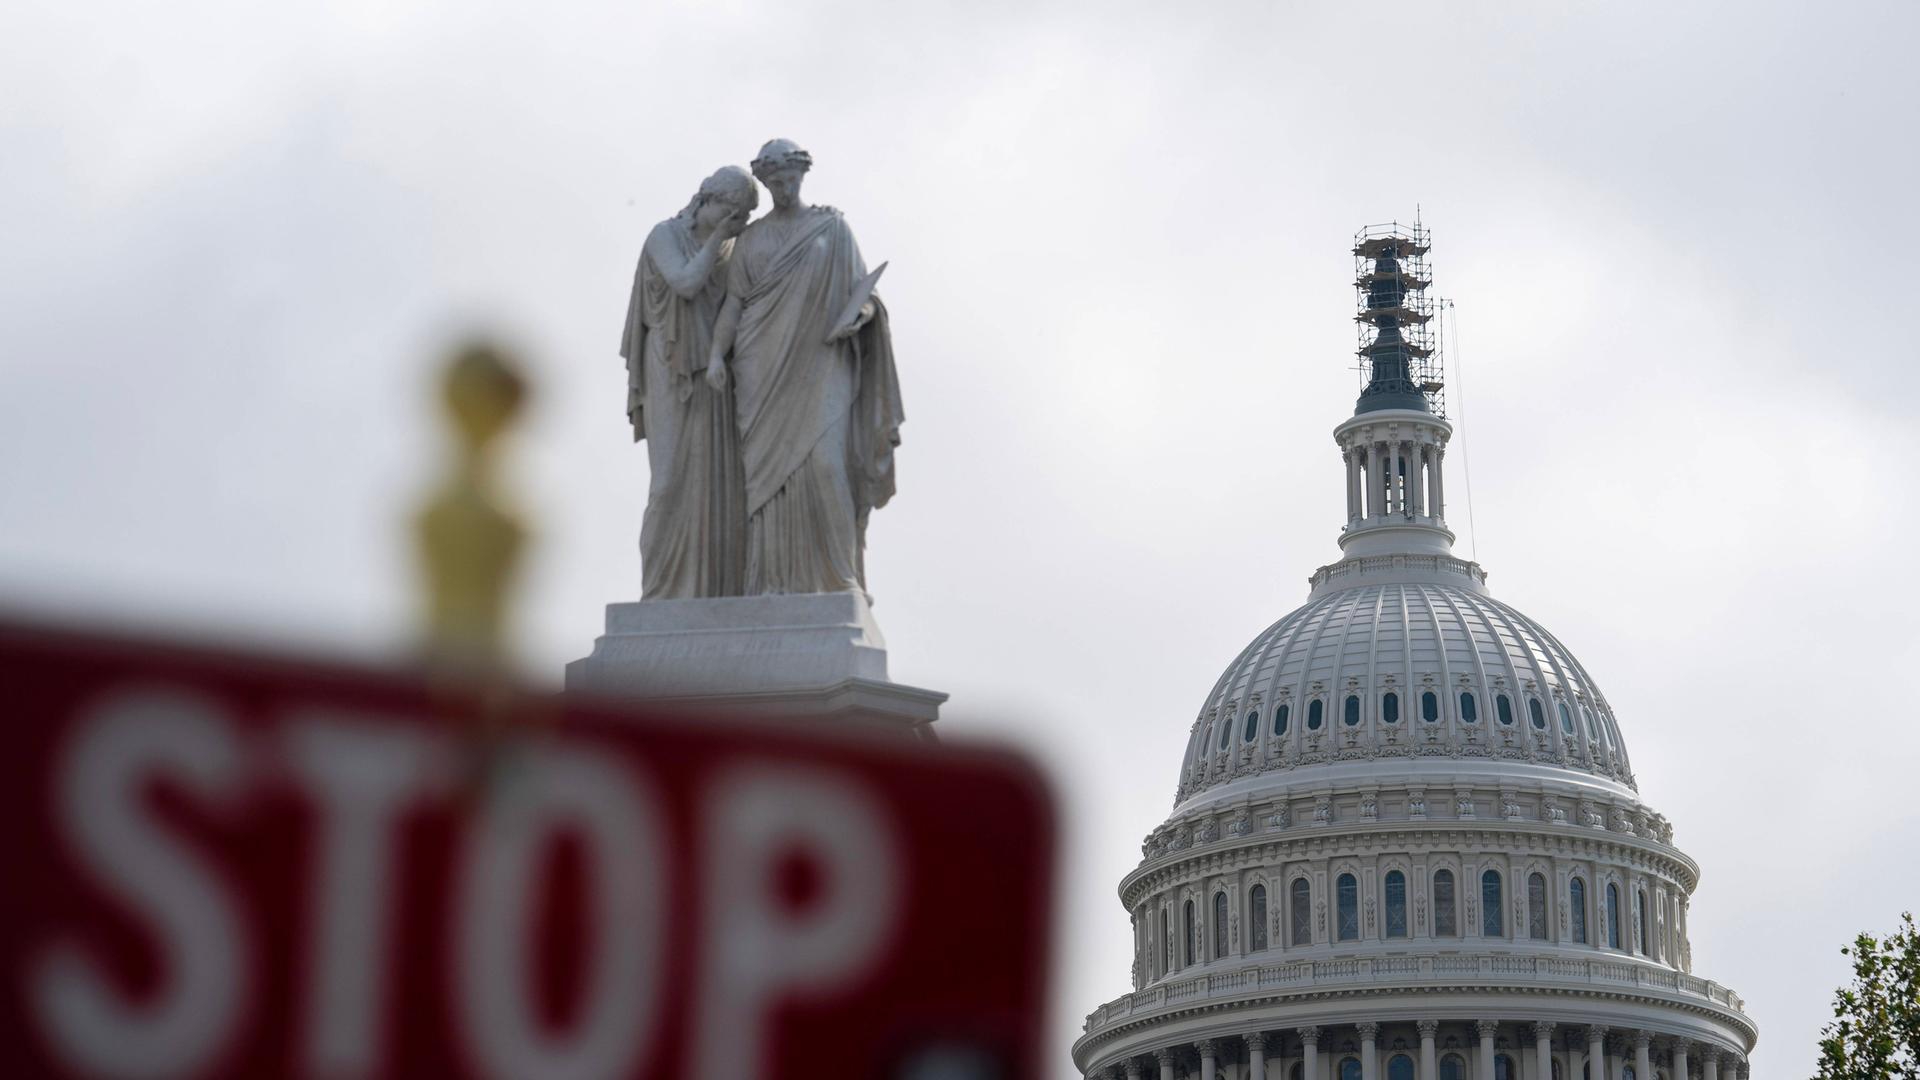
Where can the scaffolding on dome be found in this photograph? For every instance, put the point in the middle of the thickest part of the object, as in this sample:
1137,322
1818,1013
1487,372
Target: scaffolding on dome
1391,277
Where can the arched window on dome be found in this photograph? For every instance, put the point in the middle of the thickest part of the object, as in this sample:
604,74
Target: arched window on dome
1566,719
1280,719
1186,938
1640,925
1352,716
1396,890
1577,907
1558,1070
1430,707
1226,732
1536,714
1253,725
1537,906
1316,712
1445,913
1389,708
1453,1067
1504,707
1347,895
1257,919
1400,1067
1166,935
1626,1072
1469,711
1587,715
1491,907
1298,1072
1350,1069
1219,925
1503,1068
1613,916
1301,915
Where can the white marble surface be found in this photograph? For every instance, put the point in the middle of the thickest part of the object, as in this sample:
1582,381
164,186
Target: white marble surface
806,655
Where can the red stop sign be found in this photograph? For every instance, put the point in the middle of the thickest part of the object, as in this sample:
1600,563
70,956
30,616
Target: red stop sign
232,866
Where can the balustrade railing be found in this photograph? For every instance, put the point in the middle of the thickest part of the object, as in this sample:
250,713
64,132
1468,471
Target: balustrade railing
1293,974
1375,563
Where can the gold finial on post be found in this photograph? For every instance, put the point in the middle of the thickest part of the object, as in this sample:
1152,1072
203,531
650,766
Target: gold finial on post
469,540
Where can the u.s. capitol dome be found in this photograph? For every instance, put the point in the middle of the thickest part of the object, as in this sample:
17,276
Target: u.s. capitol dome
1407,843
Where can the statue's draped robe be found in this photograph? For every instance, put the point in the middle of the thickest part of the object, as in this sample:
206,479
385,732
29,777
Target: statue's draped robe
818,422
692,537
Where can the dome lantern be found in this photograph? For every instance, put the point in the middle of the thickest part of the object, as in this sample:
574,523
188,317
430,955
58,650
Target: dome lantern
1394,445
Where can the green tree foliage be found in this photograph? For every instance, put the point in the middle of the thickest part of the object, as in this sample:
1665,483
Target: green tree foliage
1875,1034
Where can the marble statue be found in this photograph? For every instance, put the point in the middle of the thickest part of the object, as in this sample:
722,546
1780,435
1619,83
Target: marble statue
815,393
692,538
761,377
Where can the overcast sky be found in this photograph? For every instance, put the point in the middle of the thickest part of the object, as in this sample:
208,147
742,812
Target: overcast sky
1680,237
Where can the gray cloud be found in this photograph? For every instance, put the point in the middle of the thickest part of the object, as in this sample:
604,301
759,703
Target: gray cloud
236,237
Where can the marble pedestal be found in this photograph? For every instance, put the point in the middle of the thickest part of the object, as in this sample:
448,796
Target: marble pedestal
806,657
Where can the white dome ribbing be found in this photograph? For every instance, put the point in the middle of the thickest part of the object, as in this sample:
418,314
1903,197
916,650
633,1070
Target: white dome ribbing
1423,646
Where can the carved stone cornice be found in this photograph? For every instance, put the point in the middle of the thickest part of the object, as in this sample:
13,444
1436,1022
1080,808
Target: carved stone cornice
1241,1009
1179,866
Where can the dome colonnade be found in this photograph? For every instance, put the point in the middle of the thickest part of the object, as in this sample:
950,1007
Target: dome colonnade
1407,843
1434,1050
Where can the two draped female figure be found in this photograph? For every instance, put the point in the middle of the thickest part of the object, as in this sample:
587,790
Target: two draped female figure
817,398
766,469
692,537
